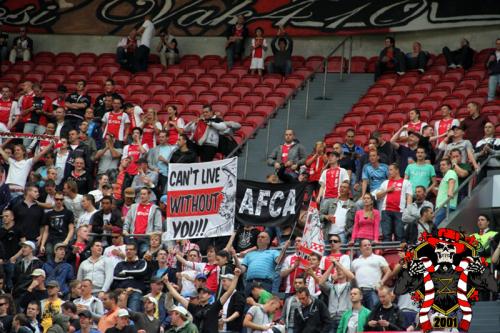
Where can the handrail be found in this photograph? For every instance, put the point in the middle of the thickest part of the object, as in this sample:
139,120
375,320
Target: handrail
467,182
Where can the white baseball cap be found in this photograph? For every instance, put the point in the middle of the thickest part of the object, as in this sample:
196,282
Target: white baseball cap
181,310
123,313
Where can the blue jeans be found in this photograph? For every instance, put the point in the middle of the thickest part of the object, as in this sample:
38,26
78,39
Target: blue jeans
392,224
440,215
234,51
34,129
370,298
283,70
134,302
493,83
8,268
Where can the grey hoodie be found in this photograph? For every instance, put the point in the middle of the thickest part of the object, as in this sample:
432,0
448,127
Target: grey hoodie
154,220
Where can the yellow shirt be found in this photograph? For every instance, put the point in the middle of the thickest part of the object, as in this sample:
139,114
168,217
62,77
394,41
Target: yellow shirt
49,310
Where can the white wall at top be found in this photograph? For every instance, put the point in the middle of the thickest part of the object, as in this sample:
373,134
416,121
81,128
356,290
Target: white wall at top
366,45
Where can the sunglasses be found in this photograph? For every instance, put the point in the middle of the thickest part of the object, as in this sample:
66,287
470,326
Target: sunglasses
59,199
2,304
334,241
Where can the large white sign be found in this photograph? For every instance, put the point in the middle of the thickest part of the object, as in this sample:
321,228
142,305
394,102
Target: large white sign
201,199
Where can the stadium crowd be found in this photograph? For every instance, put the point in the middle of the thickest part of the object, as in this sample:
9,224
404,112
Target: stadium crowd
83,216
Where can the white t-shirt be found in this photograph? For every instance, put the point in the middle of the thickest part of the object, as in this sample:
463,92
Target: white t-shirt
60,166
395,201
352,324
74,205
84,219
19,171
340,216
368,271
108,253
147,35
187,285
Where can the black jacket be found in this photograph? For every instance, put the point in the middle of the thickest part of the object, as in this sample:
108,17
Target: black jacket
22,276
236,304
131,274
493,66
82,150
411,232
393,315
97,220
313,319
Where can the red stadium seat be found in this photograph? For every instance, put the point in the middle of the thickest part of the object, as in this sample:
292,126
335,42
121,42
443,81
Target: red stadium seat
85,59
188,78
65,58
448,84
54,76
239,70
221,88
370,99
165,78
452,101
335,63
361,108
154,88
52,85
155,69
208,78
384,107
221,106
469,83
253,98
370,66
208,97
358,64
189,60
178,104
89,69
110,68
393,97
66,68
217,70
185,96
46,68
374,118
433,77
439,93
77,75
462,92
278,99
230,97
399,117
263,88
199,87
478,74
177,86
104,59
314,62
266,108
195,107
454,74
430,103
44,57
242,88
210,61
295,80
141,96
378,90
479,99
230,79
250,79
366,128
417,95
152,104
402,88
163,97
133,87
35,76
407,105
298,61
408,79
273,79
424,85
144,78
354,119
258,119
242,108
286,89
391,125
122,78
196,70
175,70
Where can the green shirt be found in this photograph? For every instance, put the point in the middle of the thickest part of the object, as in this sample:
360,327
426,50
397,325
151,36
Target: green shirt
420,174
442,195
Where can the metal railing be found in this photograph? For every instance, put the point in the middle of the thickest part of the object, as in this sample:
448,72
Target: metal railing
341,46
469,182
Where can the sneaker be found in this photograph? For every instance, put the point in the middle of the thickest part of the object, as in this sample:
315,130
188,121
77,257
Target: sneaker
421,70
401,73
452,66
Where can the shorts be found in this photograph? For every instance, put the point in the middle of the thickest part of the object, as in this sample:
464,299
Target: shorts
257,63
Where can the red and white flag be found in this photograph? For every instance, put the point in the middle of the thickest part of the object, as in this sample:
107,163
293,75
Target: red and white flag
312,239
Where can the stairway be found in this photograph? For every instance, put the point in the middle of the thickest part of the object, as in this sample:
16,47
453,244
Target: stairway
485,317
323,114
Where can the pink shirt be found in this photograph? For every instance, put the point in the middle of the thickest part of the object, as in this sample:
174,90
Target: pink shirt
364,227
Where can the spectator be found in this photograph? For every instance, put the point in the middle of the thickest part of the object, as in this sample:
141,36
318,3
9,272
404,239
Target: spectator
108,157
488,145
443,125
58,269
116,122
110,317
291,270
485,238
406,154
236,35
109,91
258,317
11,235
32,314
9,111
97,268
446,197
116,251
421,173
180,322
37,119
167,48
76,104
86,322
106,218
102,189
143,218
146,321
331,180
60,99
326,261
77,148
51,306
123,324
88,302
259,265
464,146
291,154
205,133
315,163
417,59
85,138
338,291
282,55
159,158
312,315
183,154
386,315
22,47
291,303
204,314
355,319
84,181
4,48
135,114
345,161
474,124
415,124
374,173
395,194
258,295
80,247
366,221
462,57
29,215
135,150
69,309
35,291
131,273
350,148
146,32
126,51
122,182
493,66
371,271
63,125
7,312
424,224
232,316
72,199
259,47
463,170
151,127
209,270
412,212
337,215
390,58
313,274
145,177
174,125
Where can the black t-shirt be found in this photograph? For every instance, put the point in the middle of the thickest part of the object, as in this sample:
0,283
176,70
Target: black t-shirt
76,98
405,154
126,329
347,164
6,323
38,103
10,238
58,222
28,219
245,239
206,317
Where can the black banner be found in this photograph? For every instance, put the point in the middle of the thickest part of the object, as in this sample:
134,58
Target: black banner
268,204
